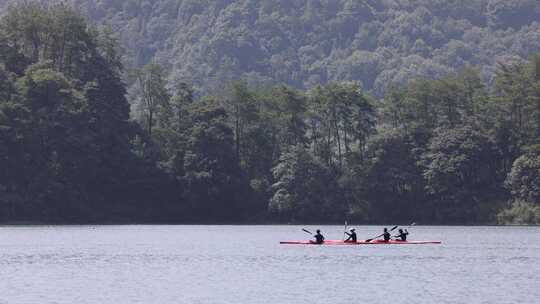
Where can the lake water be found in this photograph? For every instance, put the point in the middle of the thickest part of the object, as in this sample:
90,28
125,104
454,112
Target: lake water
246,264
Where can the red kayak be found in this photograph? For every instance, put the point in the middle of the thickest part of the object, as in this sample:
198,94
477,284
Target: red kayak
374,242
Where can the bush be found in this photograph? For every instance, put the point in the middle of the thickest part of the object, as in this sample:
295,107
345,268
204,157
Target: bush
521,213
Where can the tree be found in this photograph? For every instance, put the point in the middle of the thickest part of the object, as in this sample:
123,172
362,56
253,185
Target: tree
244,114
216,187
514,109
174,123
524,179
341,118
291,110
50,142
390,181
154,97
534,95
520,213
305,189
460,168
64,118
516,98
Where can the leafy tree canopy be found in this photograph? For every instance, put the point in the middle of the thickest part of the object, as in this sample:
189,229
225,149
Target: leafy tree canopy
310,42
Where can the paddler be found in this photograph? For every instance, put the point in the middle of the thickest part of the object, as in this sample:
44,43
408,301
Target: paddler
319,238
402,236
386,235
352,236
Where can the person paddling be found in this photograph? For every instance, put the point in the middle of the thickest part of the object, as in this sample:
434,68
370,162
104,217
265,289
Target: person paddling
319,238
402,236
352,236
386,235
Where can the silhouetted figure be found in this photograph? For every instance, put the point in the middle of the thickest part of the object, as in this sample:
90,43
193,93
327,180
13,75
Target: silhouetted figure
402,236
352,236
319,238
386,235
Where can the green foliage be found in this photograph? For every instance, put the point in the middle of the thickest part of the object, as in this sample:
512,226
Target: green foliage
428,104
64,118
524,179
306,43
436,149
153,108
43,127
305,189
216,189
503,14
390,181
520,214
341,119
460,171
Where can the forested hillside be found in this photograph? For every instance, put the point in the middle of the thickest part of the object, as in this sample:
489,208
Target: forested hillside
442,148
308,42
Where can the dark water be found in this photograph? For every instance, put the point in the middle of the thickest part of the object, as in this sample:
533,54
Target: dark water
246,264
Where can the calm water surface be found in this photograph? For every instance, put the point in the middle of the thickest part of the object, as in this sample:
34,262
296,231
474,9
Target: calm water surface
246,264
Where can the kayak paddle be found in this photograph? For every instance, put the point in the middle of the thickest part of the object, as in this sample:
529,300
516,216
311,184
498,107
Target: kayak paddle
344,230
307,231
369,240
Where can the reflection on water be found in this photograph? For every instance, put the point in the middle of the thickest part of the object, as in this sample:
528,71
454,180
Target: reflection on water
246,264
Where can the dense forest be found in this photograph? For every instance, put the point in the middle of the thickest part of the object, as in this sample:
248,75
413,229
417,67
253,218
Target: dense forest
448,147
304,43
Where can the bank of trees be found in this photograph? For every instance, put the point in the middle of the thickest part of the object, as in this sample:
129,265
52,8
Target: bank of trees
445,150
65,134
449,150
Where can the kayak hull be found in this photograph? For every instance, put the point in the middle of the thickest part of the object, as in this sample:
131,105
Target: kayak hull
374,242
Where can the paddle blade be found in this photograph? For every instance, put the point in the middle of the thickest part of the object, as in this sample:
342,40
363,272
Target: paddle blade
393,228
307,231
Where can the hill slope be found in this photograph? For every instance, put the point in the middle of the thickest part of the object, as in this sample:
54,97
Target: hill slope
307,42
